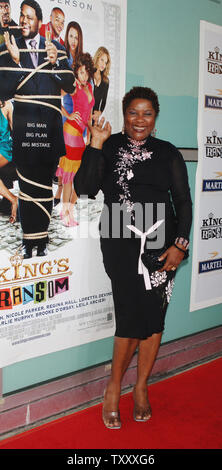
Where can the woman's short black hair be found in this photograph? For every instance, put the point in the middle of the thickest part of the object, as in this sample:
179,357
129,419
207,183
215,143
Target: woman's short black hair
33,4
141,92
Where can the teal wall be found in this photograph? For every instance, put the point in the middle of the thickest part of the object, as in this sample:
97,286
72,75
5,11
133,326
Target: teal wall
162,52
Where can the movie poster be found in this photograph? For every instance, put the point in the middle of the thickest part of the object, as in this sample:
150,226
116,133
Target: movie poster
59,297
207,253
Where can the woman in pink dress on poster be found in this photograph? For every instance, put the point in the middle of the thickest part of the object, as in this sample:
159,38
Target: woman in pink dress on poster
74,47
76,122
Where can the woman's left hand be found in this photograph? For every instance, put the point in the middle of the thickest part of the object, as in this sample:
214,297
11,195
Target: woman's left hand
173,258
100,132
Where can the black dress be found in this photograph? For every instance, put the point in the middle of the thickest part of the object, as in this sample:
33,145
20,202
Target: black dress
142,183
100,95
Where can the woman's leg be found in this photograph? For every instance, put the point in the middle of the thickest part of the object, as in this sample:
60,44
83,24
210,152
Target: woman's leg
147,353
122,354
13,199
59,189
74,197
67,190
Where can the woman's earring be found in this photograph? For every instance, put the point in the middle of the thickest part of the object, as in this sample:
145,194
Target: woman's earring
153,133
123,130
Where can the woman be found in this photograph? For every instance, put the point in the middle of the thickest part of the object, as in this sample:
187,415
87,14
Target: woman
6,110
74,47
137,168
102,64
74,127
73,42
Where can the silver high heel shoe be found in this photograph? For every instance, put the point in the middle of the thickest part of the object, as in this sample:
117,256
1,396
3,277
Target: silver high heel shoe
111,419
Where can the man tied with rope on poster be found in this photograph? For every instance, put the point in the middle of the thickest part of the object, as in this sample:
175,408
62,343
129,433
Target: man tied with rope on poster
33,71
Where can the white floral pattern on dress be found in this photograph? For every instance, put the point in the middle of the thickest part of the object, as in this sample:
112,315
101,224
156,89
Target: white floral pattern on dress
130,174
158,278
130,155
169,289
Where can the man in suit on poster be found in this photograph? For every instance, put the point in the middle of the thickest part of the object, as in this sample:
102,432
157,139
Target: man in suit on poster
34,71
6,22
55,25
7,172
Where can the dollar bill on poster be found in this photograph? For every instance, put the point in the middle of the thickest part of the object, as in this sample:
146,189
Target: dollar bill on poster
62,298
207,246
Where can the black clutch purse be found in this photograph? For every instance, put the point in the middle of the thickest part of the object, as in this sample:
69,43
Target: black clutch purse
150,258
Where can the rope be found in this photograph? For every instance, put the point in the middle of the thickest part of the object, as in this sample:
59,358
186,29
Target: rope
18,69
42,103
51,97
36,70
27,198
33,100
35,50
33,182
35,236
41,66
32,73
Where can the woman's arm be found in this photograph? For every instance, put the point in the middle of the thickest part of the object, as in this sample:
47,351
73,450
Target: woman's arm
181,198
9,113
88,130
180,192
64,112
65,81
74,116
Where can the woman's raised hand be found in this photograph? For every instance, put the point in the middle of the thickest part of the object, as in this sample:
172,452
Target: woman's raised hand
100,132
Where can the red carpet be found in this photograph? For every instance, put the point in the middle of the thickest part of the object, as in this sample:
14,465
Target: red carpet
187,414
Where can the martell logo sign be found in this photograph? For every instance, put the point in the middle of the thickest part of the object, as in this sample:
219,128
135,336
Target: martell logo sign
213,184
